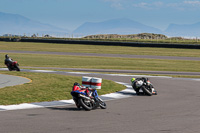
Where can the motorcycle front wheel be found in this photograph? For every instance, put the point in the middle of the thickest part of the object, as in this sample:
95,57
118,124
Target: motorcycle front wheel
17,67
102,104
146,91
86,104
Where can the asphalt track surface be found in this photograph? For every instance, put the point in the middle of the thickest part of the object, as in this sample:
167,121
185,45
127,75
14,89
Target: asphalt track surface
174,110
8,80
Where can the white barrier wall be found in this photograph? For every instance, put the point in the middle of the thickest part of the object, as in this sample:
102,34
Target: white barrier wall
91,82
86,81
96,83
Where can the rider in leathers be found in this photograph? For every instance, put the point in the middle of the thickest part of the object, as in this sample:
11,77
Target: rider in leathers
8,61
77,88
134,80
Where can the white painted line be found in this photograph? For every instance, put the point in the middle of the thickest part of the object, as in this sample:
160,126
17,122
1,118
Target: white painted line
3,69
20,106
43,71
77,72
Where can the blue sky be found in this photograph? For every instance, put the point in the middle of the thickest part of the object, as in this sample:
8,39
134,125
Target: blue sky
70,14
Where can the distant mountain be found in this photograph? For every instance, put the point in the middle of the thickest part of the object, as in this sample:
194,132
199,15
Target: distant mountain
185,30
115,26
17,24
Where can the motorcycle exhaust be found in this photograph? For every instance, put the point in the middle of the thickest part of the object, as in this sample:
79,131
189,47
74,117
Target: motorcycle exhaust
83,96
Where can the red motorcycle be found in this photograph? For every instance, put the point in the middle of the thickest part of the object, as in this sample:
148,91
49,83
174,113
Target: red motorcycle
13,66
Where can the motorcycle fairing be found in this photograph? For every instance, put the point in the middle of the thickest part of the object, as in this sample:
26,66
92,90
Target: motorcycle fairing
79,92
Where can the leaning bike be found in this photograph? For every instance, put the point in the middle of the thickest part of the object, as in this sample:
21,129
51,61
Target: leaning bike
88,102
143,86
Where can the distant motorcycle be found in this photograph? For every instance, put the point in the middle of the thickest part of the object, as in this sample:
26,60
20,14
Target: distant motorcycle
90,102
144,86
13,66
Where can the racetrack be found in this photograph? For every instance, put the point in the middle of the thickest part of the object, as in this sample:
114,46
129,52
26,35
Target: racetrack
174,110
8,80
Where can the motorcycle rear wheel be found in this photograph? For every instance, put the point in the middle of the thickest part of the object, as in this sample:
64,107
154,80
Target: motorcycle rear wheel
10,69
86,105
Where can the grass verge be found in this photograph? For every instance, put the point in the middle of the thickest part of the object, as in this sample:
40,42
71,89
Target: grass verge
46,87
51,47
61,61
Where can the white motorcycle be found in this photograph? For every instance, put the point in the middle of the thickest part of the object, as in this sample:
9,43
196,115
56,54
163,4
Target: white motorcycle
144,87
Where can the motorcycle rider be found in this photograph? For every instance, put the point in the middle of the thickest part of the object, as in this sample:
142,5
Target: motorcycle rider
77,88
134,80
8,61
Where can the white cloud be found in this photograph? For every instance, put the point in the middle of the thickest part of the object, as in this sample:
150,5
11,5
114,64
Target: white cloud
193,3
141,5
117,4
183,5
154,5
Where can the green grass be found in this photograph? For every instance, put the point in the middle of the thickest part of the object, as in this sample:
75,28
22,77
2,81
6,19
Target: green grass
46,87
26,46
61,61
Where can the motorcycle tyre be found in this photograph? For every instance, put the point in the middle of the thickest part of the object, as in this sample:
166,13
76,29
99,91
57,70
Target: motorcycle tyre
86,107
17,68
155,90
102,104
146,91
76,102
10,69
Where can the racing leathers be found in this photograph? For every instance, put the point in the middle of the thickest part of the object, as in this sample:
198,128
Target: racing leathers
133,81
77,88
8,61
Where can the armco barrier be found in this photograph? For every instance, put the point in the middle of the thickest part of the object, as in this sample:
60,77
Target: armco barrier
107,43
110,43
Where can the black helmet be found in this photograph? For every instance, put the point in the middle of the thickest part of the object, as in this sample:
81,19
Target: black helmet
6,56
77,84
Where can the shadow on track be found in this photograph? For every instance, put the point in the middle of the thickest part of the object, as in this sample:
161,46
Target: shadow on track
65,108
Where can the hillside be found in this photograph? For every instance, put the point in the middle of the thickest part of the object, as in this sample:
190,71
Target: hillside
186,30
132,36
115,26
17,24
